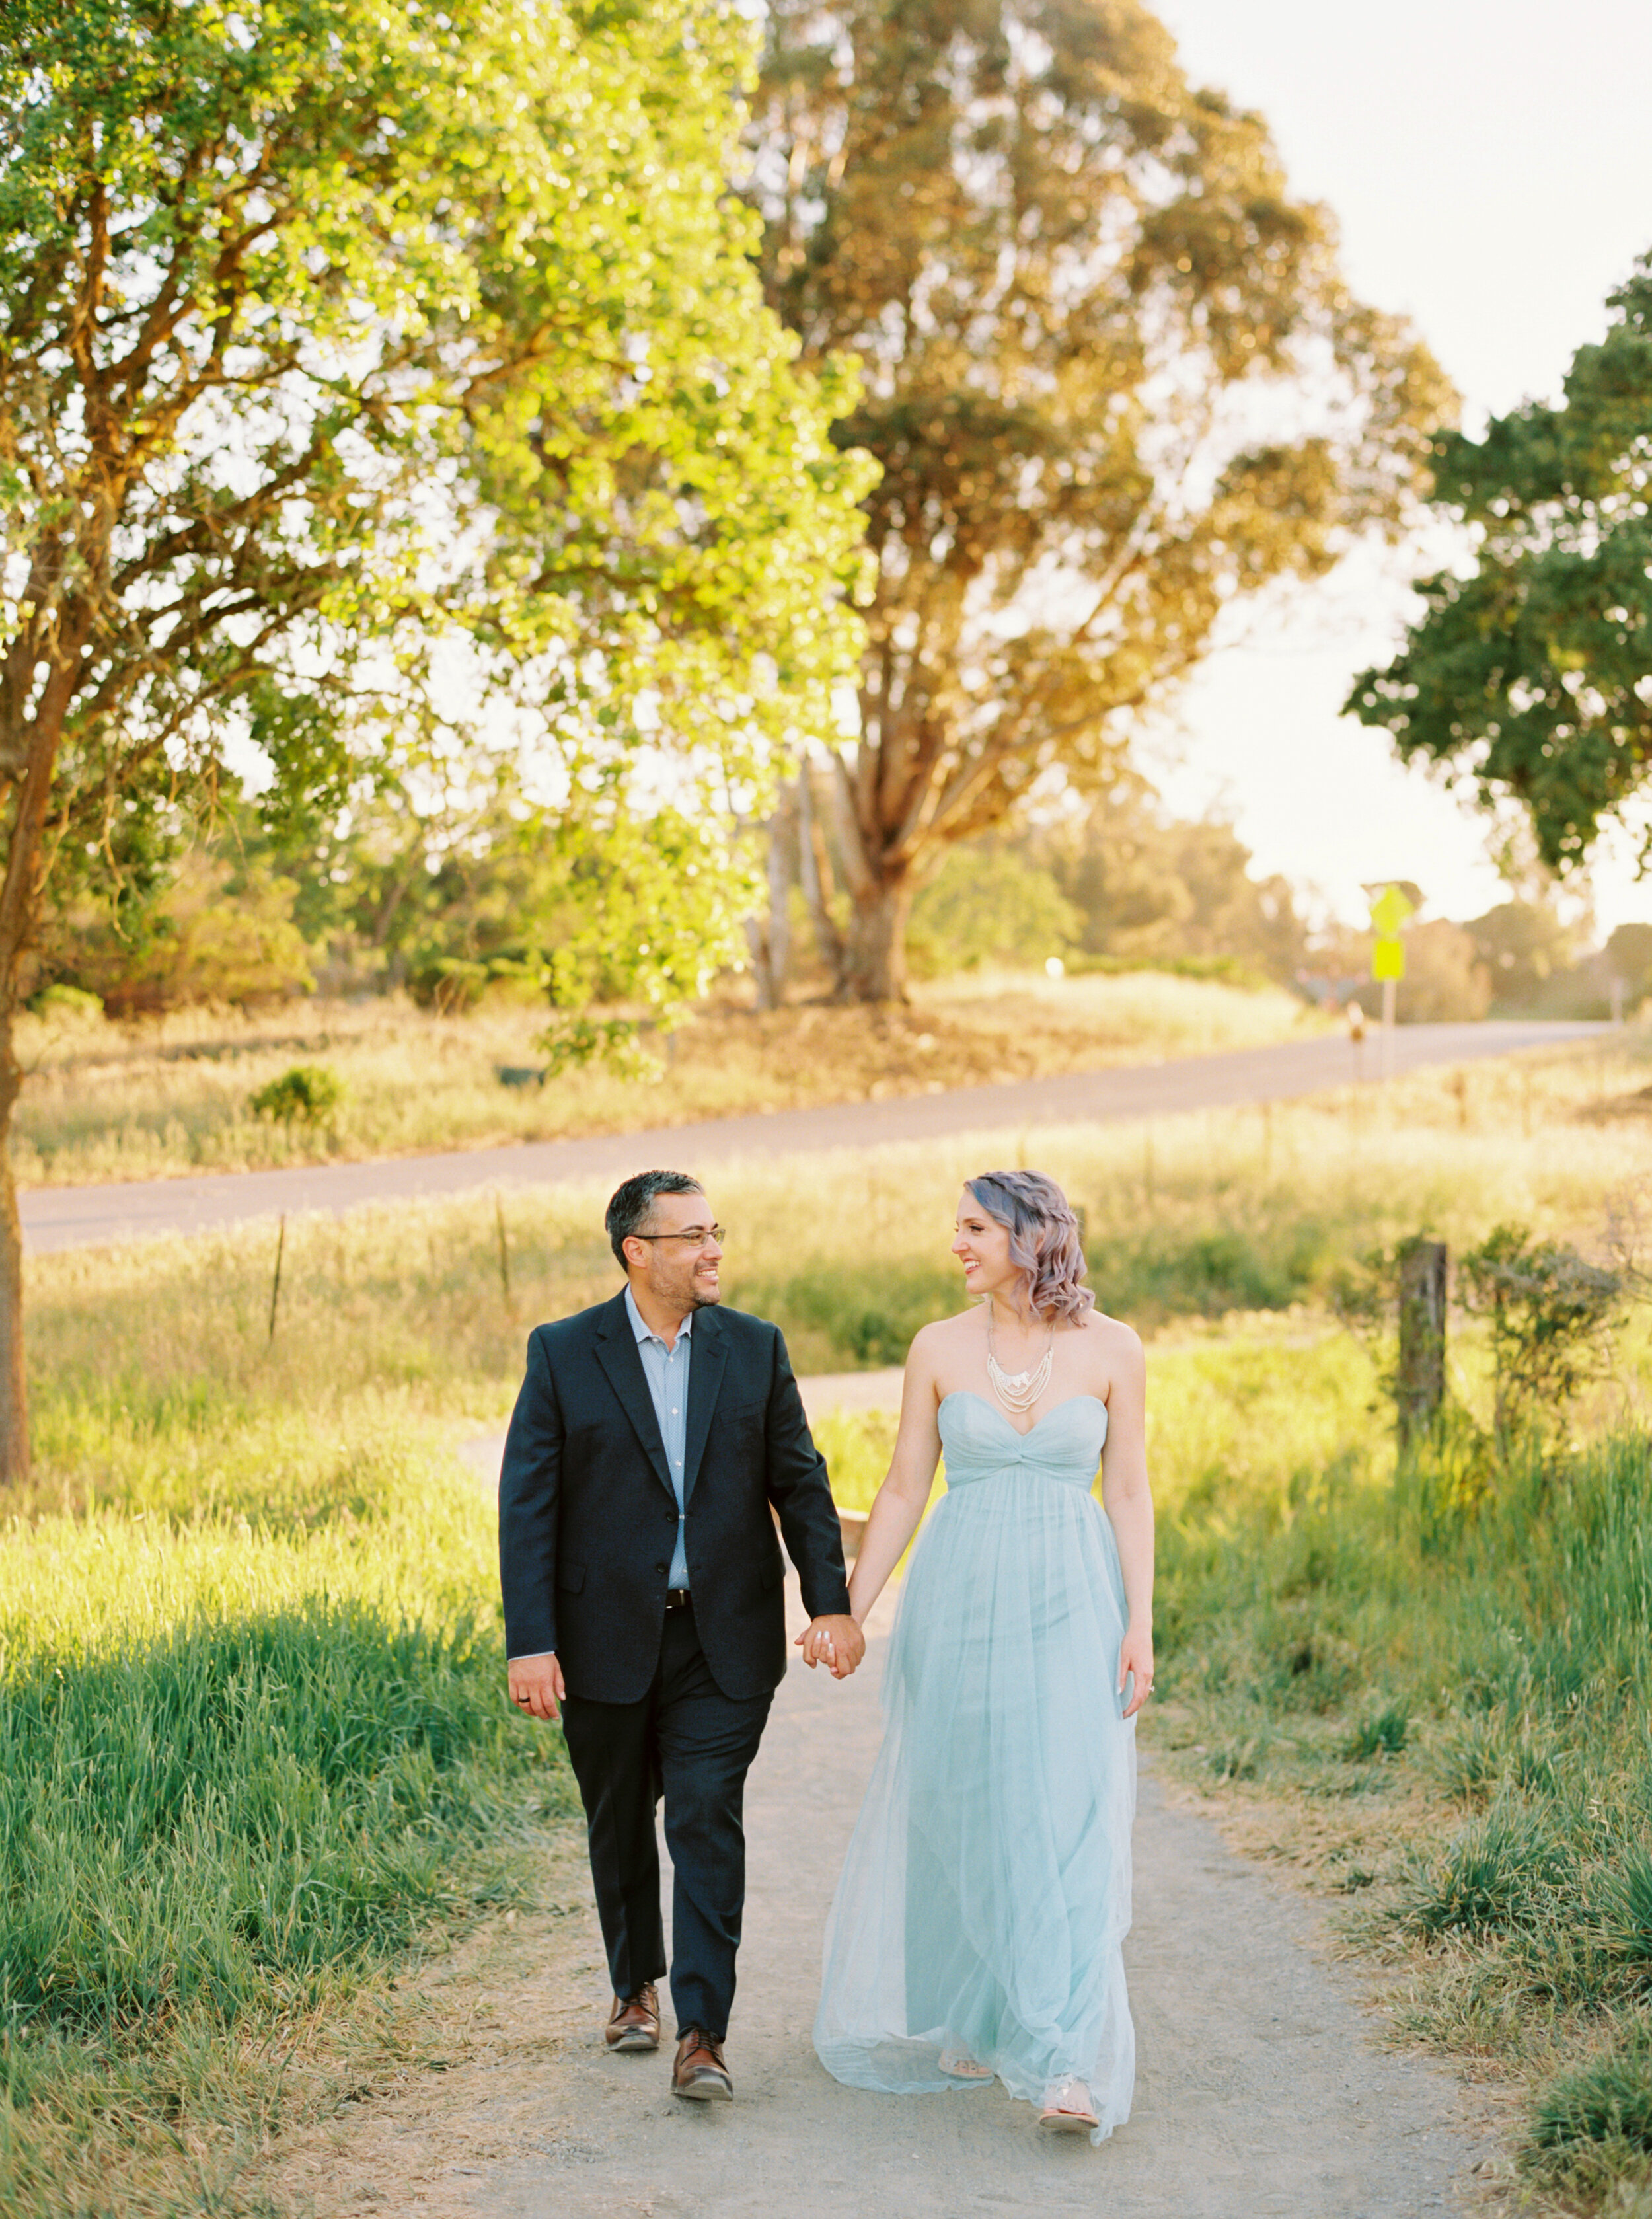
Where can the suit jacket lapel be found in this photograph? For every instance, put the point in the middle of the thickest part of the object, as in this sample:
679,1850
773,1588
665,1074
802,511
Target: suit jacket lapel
617,1353
711,1353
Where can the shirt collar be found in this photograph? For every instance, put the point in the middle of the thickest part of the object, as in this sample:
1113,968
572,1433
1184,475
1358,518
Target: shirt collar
643,1330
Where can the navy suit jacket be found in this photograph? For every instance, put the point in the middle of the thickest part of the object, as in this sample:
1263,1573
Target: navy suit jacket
587,1518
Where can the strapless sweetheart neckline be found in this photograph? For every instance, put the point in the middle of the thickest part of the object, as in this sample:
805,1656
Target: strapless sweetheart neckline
997,1413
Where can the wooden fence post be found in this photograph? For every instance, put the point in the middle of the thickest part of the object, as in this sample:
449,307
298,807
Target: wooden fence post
1419,1375
275,1284
504,1253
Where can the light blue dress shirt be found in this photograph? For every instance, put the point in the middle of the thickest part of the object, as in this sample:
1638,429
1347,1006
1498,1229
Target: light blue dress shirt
666,1370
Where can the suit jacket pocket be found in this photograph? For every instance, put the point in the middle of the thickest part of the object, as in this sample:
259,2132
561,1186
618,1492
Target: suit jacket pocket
570,1578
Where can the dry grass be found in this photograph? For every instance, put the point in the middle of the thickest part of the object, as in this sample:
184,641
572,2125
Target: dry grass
106,1102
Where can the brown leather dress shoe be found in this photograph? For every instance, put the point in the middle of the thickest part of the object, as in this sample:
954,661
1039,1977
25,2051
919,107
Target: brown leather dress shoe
699,2072
634,2023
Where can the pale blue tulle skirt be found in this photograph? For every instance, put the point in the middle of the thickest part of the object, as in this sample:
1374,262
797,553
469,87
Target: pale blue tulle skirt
986,1890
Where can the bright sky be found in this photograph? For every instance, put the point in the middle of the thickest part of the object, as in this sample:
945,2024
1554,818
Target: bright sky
1491,166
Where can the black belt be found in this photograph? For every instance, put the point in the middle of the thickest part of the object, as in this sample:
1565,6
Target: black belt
677,1599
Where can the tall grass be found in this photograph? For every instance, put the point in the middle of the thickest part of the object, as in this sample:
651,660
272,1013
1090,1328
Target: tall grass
252,1748
1478,1665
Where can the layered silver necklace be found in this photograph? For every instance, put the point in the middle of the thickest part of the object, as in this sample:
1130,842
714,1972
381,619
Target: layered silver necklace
1018,1390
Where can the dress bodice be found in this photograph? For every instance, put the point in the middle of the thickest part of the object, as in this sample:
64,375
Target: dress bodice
978,1441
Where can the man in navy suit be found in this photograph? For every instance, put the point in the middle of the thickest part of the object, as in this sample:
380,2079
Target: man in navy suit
656,1438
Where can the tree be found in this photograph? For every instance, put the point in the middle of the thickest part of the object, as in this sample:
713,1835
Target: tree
989,903
1524,946
380,389
1112,376
1447,979
1529,675
1151,887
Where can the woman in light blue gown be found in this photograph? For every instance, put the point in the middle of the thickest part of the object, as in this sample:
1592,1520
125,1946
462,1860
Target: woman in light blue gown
976,1931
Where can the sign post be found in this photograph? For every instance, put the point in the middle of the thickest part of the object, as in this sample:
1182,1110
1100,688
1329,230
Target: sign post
1389,911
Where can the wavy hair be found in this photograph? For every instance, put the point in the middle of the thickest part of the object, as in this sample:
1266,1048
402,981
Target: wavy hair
1044,1238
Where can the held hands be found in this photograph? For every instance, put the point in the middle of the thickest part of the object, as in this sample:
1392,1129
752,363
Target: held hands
1136,1663
837,1642
537,1686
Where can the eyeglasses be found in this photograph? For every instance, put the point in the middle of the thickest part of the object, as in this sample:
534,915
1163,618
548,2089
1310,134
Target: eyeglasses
700,1237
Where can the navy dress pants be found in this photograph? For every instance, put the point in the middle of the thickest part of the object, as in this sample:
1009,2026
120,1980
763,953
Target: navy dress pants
689,1743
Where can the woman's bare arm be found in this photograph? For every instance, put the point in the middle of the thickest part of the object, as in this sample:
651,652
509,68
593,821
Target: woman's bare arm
1129,1502
899,1510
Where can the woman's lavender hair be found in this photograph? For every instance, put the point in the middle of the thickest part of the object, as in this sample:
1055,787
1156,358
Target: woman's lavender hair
1043,1238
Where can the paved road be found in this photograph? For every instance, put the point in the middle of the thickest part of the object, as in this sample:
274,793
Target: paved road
1264,2089
89,1216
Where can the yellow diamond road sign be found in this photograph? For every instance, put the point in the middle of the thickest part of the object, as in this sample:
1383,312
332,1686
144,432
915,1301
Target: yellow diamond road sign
1388,912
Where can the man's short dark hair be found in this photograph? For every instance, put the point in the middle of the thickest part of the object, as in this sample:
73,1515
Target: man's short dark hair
631,1206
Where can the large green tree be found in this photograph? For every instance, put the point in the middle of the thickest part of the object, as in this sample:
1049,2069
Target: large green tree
385,389
1530,673
1112,374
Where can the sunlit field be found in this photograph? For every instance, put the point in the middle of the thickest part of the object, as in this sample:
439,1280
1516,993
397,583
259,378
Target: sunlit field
256,1748
109,1102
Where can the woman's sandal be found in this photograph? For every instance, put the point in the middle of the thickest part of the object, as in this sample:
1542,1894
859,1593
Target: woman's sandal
958,2065
1066,2109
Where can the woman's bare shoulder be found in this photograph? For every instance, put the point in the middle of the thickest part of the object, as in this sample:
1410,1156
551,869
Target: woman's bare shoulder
947,1333
1114,1341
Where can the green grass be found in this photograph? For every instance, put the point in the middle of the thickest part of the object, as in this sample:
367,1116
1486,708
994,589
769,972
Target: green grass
1457,1691
254,1750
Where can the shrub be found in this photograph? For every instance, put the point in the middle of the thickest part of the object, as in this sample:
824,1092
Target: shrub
1503,1872
1382,1736
67,1005
1608,2101
308,1094
1551,1314
1626,1912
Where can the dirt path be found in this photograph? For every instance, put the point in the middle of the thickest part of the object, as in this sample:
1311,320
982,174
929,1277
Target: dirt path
1262,2092
87,1217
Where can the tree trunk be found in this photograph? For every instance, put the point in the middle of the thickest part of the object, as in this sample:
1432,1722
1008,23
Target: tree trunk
769,937
875,958
20,901
14,1379
815,874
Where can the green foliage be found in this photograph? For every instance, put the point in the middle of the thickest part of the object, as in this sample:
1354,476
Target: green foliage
220,929
1551,1314
308,1094
433,414
1527,672
989,904
1081,289
67,1005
